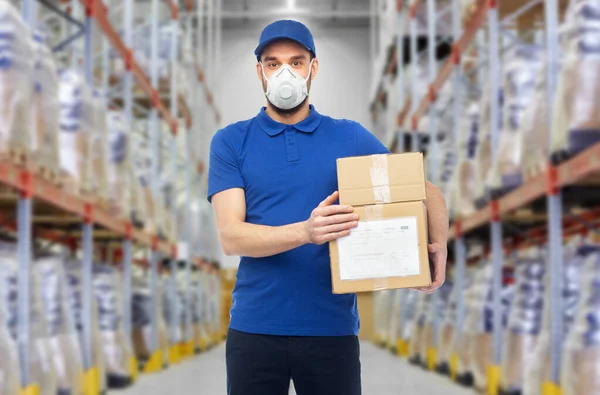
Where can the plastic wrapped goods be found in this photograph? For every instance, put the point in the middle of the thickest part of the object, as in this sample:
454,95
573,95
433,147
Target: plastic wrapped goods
525,320
141,316
539,370
534,152
118,175
10,379
99,145
116,346
479,324
417,342
76,130
464,179
483,156
74,284
576,122
581,353
521,66
459,345
16,80
171,308
393,327
382,302
141,162
46,108
447,311
63,342
41,369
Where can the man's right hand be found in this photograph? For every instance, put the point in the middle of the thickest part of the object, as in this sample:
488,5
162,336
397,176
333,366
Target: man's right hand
330,222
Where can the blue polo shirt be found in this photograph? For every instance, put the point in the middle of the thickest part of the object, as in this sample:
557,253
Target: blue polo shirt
286,171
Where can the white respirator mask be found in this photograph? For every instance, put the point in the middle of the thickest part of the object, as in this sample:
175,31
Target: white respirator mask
286,89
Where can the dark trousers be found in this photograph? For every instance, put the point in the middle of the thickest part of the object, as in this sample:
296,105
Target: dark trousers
264,365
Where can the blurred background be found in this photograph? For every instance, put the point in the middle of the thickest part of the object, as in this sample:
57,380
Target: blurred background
111,273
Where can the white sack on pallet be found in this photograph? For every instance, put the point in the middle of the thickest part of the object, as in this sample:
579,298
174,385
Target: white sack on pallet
41,369
522,65
63,342
464,177
118,175
539,369
76,130
46,108
108,291
525,319
576,120
99,146
581,352
74,282
16,80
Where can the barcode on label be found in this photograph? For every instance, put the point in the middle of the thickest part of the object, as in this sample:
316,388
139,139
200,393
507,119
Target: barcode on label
404,227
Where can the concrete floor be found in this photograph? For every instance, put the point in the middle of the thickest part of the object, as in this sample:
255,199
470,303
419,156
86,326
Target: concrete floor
383,374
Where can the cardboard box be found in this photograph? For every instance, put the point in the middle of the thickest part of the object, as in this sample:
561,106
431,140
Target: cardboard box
388,250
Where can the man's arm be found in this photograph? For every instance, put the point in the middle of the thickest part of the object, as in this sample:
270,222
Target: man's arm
437,218
437,215
327,222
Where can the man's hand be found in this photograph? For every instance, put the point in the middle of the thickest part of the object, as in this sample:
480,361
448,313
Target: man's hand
439,254
330,222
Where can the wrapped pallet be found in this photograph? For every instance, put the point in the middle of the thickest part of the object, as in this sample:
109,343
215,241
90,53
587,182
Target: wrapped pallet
16,82
521,66
99,147
581,351
142,164
483,155
381,301
417,338
10,375
394,322
116,345
41,368
525,320
576,123
63,342
74,288
141,316
464,177
539,369
446,330
480,324
172,305
46,111
118,175
458,356
76,130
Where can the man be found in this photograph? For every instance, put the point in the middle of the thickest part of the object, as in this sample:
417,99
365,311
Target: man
272,183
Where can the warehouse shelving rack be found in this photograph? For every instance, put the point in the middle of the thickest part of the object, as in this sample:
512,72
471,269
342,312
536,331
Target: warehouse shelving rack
499,212
55,206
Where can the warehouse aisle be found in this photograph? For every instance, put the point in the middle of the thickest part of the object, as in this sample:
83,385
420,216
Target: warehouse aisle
383,374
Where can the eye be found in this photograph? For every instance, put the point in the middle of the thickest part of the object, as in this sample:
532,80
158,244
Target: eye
297,63
272,65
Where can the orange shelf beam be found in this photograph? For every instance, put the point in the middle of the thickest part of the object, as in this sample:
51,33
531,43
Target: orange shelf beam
570,172
459,47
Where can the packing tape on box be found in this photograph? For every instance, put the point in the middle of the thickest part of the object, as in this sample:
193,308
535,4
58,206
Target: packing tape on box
380,179
373,213
380,284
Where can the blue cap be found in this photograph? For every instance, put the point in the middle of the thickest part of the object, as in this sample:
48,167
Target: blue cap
286,30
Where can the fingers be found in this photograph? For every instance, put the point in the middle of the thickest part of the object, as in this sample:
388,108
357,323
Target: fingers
326,238
329,200
339,227
333,210
337,219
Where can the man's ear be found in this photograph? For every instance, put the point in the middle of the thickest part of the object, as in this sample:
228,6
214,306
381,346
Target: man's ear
259,71
315,69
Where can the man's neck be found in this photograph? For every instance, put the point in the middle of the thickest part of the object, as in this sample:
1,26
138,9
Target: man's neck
289,119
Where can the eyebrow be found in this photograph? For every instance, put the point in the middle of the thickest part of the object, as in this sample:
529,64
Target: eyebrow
274,58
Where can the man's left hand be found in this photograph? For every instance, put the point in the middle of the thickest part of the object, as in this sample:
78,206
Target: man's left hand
439,254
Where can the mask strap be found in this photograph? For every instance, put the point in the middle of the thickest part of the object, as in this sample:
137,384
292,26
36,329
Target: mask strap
309,70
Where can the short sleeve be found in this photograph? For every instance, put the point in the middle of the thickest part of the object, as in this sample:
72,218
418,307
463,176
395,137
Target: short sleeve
367,143
224,172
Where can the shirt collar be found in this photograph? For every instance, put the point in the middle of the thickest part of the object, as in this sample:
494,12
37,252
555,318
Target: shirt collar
273,128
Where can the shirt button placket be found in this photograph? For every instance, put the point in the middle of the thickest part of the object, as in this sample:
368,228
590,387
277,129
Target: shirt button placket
291,147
